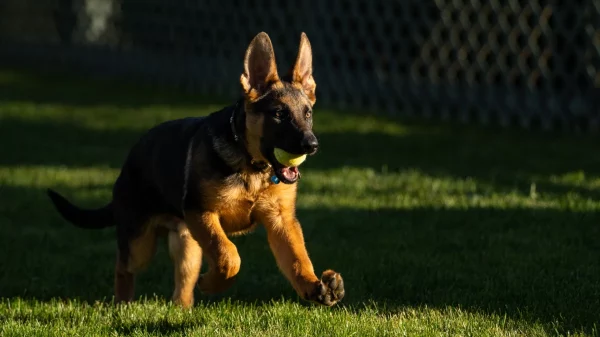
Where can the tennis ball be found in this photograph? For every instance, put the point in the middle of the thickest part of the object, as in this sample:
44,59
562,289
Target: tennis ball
288,159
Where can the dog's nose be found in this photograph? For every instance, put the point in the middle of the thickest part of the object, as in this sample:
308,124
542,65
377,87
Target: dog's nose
310,143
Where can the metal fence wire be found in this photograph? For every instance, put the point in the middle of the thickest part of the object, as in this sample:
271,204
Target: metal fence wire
509,62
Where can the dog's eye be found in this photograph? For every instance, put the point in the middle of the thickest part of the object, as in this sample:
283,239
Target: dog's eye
307,112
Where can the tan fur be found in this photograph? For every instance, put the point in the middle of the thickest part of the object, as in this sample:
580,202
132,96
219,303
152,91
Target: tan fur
234,208
295,102
233,201
187,258
254,131
277,85
222,256
143,248
276,210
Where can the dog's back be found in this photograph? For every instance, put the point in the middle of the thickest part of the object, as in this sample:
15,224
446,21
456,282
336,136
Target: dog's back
156,170
153,171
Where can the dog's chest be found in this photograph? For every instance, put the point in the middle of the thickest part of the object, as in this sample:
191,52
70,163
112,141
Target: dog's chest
236,199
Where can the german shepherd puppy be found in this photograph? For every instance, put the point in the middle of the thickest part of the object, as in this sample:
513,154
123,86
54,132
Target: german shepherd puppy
198,180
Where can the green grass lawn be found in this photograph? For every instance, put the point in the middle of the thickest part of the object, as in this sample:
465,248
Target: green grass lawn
438,230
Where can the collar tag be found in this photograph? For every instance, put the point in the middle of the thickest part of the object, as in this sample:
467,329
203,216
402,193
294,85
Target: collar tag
274,180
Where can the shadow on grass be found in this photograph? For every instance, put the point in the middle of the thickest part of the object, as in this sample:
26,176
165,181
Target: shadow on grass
48,142
533,264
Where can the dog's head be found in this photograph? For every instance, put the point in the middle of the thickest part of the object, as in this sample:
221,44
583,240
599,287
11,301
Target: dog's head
278,110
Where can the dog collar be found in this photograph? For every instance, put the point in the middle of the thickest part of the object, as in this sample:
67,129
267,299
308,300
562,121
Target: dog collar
259,165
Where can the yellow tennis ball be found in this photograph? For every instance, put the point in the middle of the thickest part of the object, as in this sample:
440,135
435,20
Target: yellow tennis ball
288,159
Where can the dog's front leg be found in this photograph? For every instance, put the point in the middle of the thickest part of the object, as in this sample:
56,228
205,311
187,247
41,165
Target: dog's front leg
287,243
222,255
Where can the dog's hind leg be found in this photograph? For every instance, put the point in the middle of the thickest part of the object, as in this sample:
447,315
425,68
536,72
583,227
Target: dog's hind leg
187,258
124,280
134,254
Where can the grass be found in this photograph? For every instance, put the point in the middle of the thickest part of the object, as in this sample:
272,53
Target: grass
438,229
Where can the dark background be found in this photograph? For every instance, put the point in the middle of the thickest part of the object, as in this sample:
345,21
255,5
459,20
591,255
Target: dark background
525,63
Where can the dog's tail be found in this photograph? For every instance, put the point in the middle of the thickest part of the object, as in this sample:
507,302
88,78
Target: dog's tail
82,218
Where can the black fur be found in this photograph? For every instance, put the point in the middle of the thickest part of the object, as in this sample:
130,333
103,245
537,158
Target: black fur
82,218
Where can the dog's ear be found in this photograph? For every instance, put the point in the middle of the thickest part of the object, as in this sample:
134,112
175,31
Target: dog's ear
260,69
302,71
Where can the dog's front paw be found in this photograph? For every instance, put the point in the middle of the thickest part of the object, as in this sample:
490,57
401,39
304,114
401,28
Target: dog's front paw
329,290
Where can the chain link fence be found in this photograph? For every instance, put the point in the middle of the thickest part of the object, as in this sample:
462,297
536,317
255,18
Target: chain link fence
534,64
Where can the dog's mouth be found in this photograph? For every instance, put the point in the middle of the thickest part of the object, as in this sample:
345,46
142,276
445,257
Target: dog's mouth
286,174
